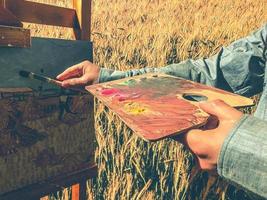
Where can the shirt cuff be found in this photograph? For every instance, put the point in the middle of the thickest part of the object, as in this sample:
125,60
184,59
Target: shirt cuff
224,150
106,75
243,158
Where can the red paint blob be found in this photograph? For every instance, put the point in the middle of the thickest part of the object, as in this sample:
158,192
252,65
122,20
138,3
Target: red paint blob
122,98
109,91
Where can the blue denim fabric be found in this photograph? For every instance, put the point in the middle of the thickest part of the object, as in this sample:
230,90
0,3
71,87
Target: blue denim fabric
241,68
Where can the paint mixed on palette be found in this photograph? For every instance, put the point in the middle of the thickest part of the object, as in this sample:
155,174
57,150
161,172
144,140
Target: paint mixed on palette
156,106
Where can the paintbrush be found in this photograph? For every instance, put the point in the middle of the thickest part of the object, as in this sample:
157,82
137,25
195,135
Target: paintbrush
31,75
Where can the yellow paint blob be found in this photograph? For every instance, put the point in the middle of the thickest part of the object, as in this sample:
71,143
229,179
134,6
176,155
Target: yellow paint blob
136,108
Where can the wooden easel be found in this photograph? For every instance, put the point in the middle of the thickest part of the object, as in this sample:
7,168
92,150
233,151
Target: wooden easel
12,34
13,12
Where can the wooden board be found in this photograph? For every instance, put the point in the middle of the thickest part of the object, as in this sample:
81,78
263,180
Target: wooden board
42,13
8,19
44,131
83,10
43,136
156,106
46,57
14,37
38,190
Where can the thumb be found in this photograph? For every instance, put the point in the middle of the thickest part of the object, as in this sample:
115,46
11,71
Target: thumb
219,109
81,81
74,82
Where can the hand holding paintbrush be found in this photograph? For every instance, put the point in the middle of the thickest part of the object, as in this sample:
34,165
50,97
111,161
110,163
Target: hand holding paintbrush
31,75
82,74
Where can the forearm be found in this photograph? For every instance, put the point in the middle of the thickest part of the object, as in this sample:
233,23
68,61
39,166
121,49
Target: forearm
110,75
189,69
207,71
238,68
243,158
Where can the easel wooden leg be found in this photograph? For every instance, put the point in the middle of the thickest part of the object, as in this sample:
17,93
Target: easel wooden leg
75,192
79,191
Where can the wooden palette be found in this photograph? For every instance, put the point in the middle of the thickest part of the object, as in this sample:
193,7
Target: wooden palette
156,106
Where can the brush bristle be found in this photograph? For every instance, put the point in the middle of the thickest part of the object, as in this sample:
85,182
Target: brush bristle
24,73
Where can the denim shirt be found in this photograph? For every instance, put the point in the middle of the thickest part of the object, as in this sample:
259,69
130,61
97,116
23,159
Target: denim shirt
240,68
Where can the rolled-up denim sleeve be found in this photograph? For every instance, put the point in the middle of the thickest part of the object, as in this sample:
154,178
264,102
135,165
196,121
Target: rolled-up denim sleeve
243,157
238,68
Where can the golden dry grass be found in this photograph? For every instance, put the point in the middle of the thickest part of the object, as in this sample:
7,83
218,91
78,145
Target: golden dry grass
133,34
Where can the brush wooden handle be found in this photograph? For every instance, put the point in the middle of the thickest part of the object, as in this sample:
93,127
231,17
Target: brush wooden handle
58,83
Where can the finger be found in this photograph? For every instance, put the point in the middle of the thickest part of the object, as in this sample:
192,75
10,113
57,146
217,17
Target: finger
59,83
220,109
81,81
205,165
73,82
70,72
197,141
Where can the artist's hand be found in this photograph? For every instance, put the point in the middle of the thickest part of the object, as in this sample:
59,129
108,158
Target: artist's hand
84,73
207,143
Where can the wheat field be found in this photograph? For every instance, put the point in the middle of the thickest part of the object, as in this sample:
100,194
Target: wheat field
134,34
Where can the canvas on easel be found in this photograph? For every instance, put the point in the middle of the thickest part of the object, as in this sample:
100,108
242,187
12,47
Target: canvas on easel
45,131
